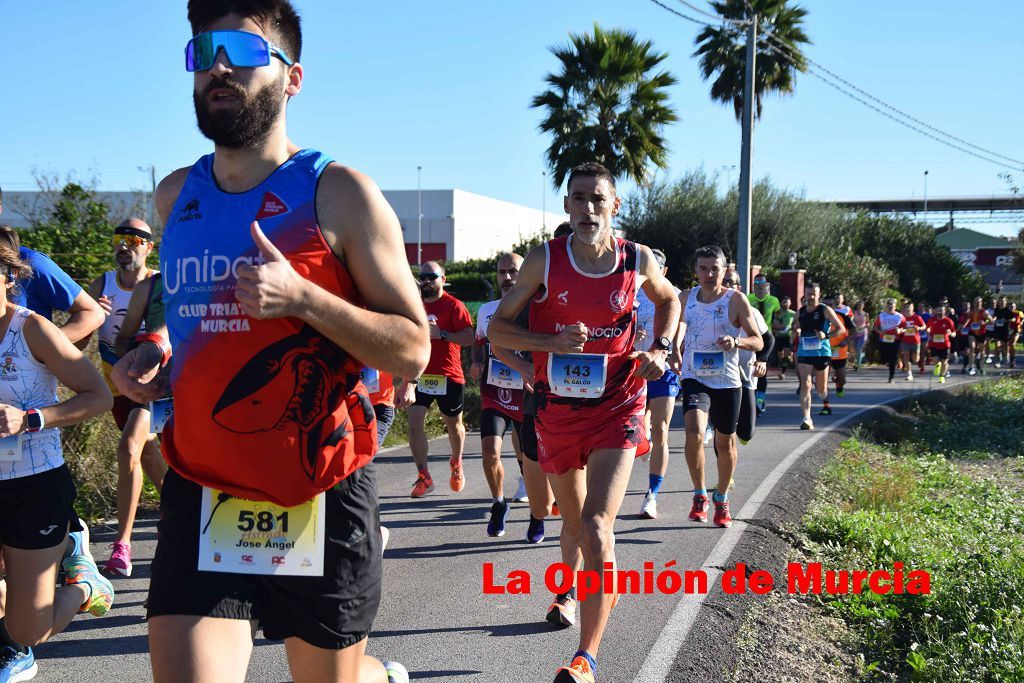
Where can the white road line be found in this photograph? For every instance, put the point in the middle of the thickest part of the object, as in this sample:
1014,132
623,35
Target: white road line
663,654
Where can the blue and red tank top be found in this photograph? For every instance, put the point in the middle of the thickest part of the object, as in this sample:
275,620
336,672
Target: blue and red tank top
263,409
606,304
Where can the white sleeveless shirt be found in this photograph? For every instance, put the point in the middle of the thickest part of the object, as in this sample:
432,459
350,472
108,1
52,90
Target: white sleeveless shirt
705,323
26,383
748,358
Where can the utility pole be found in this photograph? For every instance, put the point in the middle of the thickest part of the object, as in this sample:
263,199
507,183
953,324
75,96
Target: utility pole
419,218
926,196
544,202
743,252
150,201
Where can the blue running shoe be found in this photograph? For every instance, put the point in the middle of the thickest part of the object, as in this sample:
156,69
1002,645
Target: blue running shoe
82,569
17,666
535,532
499,515
79,542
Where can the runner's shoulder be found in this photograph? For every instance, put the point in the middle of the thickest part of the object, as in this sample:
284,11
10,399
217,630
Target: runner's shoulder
344,190
168,189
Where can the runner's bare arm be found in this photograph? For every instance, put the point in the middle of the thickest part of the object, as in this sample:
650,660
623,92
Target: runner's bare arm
133,316
514,361
684,296
464,337
837,322
50,347
503,331
661,293
666,314
390,334
85,317
741,313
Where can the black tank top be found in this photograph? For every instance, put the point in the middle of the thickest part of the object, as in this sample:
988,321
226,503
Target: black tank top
813,321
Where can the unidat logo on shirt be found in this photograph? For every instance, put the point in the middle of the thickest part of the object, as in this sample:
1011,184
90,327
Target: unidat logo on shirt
192,270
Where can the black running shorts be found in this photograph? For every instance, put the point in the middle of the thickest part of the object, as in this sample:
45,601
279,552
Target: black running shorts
838,363
496,423
332,611
450,404
819,362
37,511
528,437
721,405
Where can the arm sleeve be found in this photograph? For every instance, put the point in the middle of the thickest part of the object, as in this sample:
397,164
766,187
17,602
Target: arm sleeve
769,343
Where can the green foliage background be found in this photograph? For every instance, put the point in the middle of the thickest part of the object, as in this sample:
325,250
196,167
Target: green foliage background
864,256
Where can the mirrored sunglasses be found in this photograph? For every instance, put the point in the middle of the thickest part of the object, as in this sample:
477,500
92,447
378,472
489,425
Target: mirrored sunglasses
243,49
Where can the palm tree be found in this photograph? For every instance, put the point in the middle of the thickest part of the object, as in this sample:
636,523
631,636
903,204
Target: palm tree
606,105
722,50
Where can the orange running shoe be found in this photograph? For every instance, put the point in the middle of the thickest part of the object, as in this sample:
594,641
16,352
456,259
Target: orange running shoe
555,512
458,480
424,485
562,610
577,672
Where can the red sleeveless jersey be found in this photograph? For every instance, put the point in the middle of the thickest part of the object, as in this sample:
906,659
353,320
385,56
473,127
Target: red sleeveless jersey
263,409
606,304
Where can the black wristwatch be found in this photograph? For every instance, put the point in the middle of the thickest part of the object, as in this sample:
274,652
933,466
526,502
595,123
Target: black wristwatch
444,335
662,344
33,421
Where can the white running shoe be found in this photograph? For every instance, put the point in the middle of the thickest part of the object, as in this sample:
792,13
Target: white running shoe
910,376
649,510
709,434
521,496
385,536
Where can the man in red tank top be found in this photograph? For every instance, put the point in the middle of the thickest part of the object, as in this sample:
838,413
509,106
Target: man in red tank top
330,285
590,384
451,328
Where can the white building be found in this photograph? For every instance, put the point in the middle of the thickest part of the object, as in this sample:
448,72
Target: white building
456,225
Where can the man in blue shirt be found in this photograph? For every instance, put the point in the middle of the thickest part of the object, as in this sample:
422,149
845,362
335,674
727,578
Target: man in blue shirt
51,289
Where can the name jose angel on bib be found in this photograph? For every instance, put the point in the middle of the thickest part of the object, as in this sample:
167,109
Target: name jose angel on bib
241,536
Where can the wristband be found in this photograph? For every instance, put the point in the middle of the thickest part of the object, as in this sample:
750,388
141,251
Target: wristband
164,345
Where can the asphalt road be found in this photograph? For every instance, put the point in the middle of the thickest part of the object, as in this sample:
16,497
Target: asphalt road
434,616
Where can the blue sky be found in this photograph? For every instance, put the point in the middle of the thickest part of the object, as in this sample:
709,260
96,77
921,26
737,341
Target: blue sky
100,89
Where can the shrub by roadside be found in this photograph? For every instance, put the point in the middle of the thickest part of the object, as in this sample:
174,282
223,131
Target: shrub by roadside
940,488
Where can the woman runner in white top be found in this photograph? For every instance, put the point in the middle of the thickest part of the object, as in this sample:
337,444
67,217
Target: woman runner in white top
36,491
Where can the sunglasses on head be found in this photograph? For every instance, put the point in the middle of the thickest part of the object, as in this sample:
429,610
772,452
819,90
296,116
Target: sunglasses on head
128,241
243,49
429,276
729,283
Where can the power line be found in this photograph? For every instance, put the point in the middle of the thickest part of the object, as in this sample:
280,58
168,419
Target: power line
716,17
921,127
680,14
792,49
922,131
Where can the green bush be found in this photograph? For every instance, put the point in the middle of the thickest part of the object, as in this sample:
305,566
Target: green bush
906,502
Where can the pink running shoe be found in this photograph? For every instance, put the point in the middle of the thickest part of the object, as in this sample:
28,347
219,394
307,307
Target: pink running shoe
120,563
